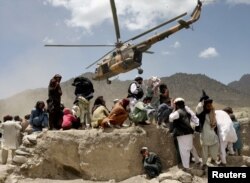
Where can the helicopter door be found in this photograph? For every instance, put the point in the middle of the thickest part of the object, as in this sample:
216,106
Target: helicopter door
137,56
105,68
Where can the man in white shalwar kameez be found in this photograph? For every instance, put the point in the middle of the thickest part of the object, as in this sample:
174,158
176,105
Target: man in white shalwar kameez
208,138
226,133
180,125
11,130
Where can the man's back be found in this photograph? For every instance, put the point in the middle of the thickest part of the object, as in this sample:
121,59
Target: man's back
11,131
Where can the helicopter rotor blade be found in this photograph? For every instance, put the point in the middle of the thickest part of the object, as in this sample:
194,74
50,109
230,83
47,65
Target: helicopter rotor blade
65,45
115,18
154,28
99,59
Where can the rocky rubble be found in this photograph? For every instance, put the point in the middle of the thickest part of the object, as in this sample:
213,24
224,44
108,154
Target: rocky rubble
109,156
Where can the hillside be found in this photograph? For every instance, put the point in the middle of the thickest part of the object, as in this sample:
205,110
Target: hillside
243,85
188,86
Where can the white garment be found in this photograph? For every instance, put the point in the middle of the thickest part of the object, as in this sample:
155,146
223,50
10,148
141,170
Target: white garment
133,88
185,143
82,110
223,146
132,103
173,116
230,148
11,130
195,155
225,127
194,120
208,136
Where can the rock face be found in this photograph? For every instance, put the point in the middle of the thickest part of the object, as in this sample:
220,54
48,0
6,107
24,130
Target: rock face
102,156
245,136
96,155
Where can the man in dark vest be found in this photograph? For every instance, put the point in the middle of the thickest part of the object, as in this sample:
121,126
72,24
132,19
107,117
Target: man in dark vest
84,91
135,92
181,128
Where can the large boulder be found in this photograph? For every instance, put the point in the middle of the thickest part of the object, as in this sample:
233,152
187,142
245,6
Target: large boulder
112,154
96,155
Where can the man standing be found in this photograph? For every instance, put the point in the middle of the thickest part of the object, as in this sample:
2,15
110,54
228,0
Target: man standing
151,163
208,138
11,130
54,103
135,92
180,126
84,91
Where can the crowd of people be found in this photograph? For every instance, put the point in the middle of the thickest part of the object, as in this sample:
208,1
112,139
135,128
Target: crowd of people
219,129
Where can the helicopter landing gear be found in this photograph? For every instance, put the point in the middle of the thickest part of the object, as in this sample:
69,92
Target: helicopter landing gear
108,81
140,70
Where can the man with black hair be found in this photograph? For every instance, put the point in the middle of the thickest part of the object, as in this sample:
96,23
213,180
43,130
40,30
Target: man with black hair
180,126
84,91
135,92
151,163
54,103
163,112
208,137
164,93
83,87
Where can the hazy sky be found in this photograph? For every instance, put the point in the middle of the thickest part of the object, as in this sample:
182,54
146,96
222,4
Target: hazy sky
218,45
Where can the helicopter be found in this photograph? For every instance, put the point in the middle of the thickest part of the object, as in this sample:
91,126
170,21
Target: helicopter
125,56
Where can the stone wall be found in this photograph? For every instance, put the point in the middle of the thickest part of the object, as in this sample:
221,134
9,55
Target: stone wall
112,154
95,155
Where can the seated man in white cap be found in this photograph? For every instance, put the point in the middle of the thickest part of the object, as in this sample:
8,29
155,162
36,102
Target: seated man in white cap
151,163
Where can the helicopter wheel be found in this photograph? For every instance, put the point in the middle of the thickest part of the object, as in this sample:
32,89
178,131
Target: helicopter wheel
108,81
140,70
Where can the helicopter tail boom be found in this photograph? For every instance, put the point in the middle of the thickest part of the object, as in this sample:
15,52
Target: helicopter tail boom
145,45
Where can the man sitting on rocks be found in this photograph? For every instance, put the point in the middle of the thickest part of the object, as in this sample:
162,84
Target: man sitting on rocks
117,115
151,163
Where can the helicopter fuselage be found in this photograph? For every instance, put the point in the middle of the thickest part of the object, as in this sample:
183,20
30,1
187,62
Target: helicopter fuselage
121,60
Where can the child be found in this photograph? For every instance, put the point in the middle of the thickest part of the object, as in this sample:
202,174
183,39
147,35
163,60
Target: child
238,144
68,119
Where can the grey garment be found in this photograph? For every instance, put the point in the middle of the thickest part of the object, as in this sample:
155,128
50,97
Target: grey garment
208,135
11,133
212,150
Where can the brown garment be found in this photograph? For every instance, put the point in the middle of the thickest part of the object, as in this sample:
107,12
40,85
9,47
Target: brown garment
117,116
213,122
24,124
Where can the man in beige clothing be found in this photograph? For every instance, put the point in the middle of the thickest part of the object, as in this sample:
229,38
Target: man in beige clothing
11,130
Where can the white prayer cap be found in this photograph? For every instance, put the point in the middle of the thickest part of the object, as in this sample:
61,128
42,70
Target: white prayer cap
179,99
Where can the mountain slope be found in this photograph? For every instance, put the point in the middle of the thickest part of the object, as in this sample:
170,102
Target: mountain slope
188,86
243,85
